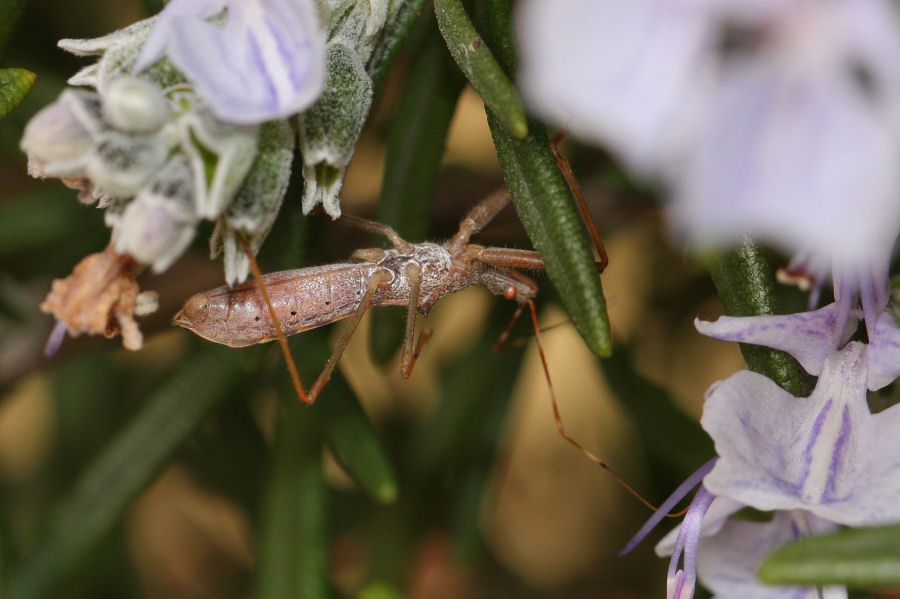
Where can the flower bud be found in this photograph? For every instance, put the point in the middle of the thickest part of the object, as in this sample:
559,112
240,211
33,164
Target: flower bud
159,223
330,129
253,211
134,105
120,164
59,138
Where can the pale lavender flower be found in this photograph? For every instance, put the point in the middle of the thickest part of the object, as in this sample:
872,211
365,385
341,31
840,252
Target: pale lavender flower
266,62
811,337
778,118
623,74
825,454
816,462
729,550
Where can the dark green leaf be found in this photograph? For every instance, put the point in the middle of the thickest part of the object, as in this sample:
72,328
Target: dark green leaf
380,590
346,426
480,67
744,281
544,203
866,557
392,38
354,442
293,555
125,467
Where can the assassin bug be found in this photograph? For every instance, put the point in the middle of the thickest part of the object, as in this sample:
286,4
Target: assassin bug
415,275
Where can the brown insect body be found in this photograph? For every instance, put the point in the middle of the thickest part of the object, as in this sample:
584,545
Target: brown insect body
307,298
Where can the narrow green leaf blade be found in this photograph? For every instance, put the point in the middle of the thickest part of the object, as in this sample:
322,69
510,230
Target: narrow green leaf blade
865,557
346,427
353,439
293,553
128,465
14,86
745,283
480,67
392,39
544,202
545,206
380,590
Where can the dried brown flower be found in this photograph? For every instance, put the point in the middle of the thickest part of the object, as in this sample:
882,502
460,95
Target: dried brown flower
100,296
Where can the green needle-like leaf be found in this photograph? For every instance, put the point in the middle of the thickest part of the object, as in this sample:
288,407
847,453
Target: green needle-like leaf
544,203
125,467
392,38
545,206
480,67
866,557
414,150
14,86
353,440
346,426
744,281
293,555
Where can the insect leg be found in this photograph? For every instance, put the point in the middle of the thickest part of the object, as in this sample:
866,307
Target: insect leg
379,277
478,217
409,355
566,170
282,340
379,228
558,417
509,258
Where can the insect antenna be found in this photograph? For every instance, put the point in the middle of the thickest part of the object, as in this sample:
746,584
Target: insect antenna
557,416
566,169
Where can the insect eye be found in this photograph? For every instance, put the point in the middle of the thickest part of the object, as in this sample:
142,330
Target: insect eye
511,292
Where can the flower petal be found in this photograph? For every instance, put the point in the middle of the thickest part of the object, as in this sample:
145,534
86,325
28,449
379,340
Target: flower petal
808,336
884,353
619,73
728,561
266,63
783,157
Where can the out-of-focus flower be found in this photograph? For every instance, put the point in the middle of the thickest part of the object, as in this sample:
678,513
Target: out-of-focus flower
627,75
100,296
250,61
779,118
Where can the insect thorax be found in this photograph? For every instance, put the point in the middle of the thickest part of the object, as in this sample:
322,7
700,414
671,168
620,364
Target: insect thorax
438,277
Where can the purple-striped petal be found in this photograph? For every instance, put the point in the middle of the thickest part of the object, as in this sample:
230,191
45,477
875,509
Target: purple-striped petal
884,353
728,561
808,336
825,454
267,62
